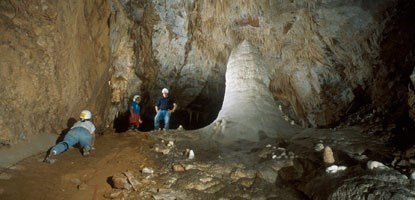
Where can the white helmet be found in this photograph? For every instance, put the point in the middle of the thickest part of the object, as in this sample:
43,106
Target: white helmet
135,97
85,114
165,91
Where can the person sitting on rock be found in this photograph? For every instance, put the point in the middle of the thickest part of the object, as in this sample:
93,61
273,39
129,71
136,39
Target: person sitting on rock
82,132
164,107
135,119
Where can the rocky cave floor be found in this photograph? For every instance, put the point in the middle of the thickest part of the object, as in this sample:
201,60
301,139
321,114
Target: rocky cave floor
156,165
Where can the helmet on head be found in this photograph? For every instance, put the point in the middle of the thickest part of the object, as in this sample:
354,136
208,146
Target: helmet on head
135,97
85,114
165,91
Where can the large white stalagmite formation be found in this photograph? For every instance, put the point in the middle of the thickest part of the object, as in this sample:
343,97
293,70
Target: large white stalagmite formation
249,111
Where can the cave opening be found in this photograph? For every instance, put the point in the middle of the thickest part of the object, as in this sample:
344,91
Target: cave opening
187,118
397,54
199,113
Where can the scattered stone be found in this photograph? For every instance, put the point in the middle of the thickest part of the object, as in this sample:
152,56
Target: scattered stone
82,186
265,152
268,146
5,176
286,118
164,151
412,176
277,165
170,144
178,168
131,179
328,155
121,182
283,155
191,154
319,147
189,167
376,165
147,170
334,168
180,128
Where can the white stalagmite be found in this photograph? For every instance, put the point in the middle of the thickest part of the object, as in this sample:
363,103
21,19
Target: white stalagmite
248,110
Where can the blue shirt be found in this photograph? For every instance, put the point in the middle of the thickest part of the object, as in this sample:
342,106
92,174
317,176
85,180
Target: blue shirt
136,107
165,103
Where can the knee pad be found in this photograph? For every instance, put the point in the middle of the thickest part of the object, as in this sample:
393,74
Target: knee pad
66,145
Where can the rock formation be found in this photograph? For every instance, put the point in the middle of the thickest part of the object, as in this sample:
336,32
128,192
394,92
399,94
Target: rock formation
249,110
54,58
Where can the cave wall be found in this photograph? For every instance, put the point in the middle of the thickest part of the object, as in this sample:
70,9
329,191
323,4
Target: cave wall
323,56
325,59
54,63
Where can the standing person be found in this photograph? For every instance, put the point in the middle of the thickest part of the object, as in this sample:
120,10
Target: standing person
82,132
164,107
135,110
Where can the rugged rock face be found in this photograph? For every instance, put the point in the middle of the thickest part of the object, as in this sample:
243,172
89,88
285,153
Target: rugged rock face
327,61
54,58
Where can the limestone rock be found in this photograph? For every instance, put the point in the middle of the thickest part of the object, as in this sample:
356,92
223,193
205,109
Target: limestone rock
120,182
328,156
178,168
147,170
319,147
376,165
242,173
247,87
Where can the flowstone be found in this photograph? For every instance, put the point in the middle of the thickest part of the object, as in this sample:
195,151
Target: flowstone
249,111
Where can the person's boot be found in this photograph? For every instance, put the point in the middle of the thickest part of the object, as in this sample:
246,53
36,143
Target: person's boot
85,152
50,158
